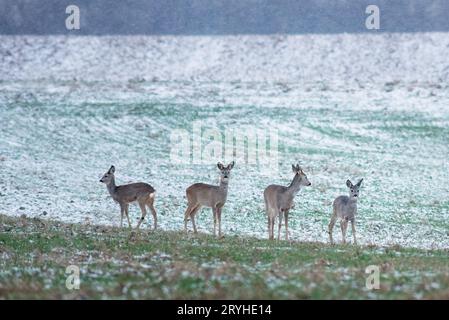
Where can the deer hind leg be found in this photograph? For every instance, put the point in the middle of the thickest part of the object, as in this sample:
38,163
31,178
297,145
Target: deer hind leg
192,216
270,214
353,231
286,224
344,226
187,214
280,215
331,227
269,226
271,220
150,204
144,212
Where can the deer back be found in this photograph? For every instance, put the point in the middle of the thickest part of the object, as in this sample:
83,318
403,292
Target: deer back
206,194
131,192
344,207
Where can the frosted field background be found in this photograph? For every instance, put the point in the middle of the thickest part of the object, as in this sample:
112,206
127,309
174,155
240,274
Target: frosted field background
346,106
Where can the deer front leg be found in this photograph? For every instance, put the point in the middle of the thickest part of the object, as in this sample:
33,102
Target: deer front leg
344,226
214,212
127,215
353,231
219,221
122,213
286,224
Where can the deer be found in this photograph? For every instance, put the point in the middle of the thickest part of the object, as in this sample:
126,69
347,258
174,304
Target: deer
279,200
211,196
345,208
141,192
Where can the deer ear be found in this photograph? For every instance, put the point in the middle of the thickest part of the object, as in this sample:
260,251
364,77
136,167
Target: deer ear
112,169
349,183
220,166
294,168
231,165
360,182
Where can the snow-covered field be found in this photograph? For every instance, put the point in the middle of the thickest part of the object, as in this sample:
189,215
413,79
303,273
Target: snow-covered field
345,106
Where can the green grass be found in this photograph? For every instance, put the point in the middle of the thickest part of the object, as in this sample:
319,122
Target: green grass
115,263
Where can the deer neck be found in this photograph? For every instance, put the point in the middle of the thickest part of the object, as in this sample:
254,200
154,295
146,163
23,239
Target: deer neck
352,201
223,187
294,186
111,186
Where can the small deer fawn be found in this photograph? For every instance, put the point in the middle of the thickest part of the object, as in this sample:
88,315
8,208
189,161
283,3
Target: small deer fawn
279,200
345,208
141,192
200,194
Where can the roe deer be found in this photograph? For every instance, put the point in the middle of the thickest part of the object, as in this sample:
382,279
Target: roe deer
141,192
279,200
200,194
345,208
